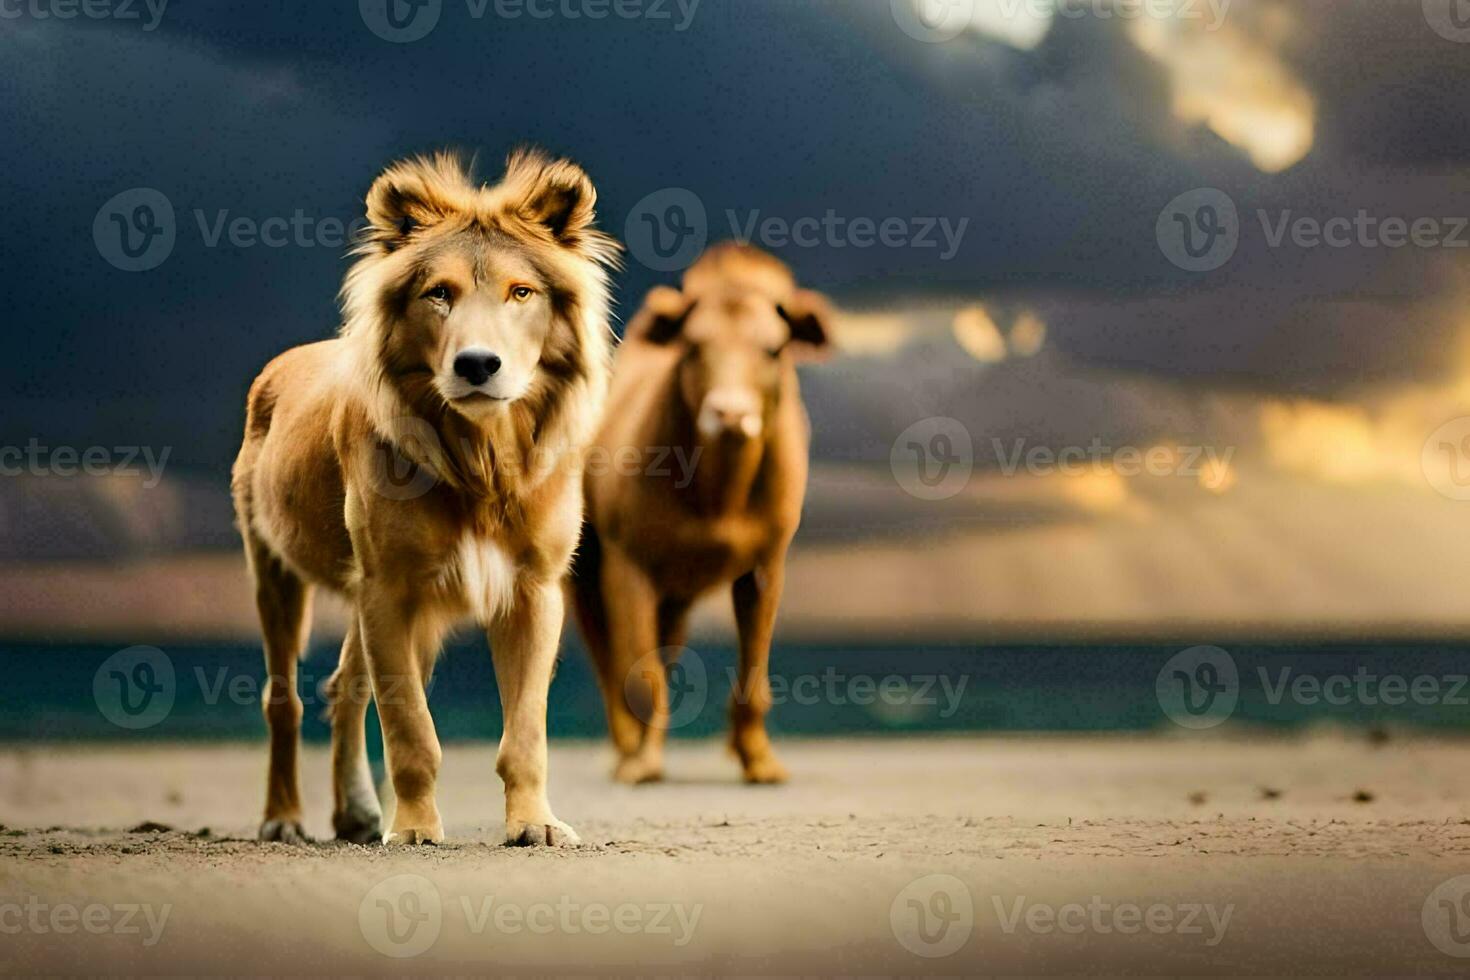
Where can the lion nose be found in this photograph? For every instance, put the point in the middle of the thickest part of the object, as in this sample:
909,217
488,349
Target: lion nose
476,366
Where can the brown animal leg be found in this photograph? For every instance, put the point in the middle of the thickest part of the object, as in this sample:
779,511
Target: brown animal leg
757,596
586,588
356,814
283,601
636,690
400,643
673,622
523,643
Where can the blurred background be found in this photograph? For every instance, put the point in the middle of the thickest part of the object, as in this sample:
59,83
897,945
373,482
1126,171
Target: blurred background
1153,324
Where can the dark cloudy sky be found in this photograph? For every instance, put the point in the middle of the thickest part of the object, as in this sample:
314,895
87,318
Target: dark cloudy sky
1060,156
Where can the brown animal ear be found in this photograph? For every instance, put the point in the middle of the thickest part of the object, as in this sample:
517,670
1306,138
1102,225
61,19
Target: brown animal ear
809,315
412,194
662,317
556,194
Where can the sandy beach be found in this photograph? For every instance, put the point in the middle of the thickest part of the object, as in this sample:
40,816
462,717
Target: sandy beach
1319,854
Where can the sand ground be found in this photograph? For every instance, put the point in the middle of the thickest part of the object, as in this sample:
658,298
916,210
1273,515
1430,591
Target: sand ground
1312,855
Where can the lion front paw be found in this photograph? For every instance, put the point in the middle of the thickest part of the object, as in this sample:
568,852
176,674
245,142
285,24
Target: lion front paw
543,832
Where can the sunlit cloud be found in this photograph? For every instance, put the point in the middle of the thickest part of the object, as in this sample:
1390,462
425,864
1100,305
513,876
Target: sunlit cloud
1235,83
1336,443
1019,23
1099,491
1218,476
1028,335
874,334
1377,440
976,332
987,335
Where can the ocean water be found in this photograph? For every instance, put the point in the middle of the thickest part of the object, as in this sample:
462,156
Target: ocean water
193,692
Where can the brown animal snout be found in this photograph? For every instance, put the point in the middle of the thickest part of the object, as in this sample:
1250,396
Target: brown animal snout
731,412
476,365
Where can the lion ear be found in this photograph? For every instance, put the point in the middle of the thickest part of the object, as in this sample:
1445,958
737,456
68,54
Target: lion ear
662,317
556,194
413,194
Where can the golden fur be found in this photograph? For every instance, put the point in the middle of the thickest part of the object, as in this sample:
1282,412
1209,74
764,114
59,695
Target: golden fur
708,372
373,465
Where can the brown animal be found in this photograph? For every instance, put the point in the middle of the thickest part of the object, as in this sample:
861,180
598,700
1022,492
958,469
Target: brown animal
706,374
426,464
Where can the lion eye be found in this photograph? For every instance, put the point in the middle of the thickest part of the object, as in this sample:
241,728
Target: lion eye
521,293
439,294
